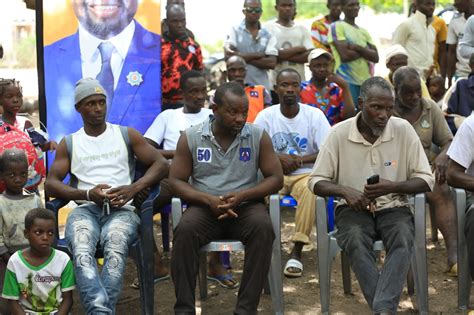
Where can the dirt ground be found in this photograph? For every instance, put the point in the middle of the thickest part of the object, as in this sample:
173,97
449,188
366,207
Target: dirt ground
301,295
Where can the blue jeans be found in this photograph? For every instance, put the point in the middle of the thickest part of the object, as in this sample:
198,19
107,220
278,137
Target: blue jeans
85,227
356,233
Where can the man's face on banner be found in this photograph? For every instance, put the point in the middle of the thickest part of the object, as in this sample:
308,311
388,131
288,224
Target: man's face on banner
105,18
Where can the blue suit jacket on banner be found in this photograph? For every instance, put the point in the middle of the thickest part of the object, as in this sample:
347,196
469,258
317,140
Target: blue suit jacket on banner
133,105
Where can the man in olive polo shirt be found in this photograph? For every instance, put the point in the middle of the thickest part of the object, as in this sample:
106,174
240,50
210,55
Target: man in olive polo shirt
374,143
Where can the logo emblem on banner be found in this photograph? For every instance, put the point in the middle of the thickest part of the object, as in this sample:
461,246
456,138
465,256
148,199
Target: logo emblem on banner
134,78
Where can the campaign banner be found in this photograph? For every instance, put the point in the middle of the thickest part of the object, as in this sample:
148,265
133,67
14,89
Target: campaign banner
115,41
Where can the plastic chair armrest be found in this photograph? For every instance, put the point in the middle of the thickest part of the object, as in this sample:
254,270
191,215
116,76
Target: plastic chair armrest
56,204
147,205
176,211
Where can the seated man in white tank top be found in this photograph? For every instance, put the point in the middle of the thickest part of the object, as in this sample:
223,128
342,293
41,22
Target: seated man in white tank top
99,160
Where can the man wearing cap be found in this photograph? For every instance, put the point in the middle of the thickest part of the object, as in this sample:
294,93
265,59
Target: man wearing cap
397,57
326,90
297,133
99,157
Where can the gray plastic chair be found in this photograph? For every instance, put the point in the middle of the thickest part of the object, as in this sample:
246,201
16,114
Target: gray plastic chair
327,249
464,275
274,274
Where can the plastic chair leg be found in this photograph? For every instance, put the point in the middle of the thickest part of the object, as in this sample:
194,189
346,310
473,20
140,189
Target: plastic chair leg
464,275
275,280
419,266
225,258
165,230
202,277
434,226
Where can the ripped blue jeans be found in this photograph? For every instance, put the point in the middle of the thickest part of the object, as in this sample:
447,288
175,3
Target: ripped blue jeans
85,228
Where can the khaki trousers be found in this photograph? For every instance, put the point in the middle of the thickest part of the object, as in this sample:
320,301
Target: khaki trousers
297,187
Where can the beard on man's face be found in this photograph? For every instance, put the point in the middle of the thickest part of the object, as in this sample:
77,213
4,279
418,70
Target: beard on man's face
105,19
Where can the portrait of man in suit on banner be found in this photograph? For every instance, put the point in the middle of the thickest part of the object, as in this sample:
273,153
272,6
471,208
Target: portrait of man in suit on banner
111,45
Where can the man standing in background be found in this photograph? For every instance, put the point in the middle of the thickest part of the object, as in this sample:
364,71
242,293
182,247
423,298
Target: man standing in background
320,28
458,67
255,44
179,53
353,49
417,36
293,42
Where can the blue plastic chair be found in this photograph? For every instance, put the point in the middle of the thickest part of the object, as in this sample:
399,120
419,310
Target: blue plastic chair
288,201
141,250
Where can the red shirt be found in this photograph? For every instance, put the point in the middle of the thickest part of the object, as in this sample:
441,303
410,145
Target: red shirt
177,57
330,100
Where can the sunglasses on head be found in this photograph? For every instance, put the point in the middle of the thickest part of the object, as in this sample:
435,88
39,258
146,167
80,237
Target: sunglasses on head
253,10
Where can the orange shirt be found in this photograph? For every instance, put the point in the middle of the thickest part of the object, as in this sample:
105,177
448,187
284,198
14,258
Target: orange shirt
256,96
441,35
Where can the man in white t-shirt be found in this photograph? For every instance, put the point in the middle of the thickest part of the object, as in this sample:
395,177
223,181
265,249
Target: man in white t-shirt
458,67
461,174
168,126
297,132
293,42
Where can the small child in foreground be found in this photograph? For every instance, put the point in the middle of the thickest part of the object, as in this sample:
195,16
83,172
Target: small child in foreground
39,279
14,203
11,100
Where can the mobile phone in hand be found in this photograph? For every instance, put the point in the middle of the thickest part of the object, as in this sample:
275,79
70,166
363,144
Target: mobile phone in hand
374,179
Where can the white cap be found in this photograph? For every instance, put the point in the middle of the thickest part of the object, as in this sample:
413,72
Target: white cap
317,52
393,51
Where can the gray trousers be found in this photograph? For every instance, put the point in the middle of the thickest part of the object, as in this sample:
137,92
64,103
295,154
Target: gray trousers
356,233
199,226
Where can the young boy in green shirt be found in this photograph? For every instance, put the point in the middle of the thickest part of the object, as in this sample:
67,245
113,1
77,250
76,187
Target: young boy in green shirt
39,279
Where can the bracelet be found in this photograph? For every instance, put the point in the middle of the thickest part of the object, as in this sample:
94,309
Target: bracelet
87,195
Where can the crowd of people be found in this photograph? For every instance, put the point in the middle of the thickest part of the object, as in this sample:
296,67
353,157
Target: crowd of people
365,140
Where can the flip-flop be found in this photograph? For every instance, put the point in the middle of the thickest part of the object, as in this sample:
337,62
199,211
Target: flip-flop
293,263
453,271
221,278
136,284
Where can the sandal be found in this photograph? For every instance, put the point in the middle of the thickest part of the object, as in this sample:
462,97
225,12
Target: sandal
136,283
226,281
295,264
453,271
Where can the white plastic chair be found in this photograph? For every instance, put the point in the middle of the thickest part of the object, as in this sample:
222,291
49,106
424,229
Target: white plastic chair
274,274
328,248
464,275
